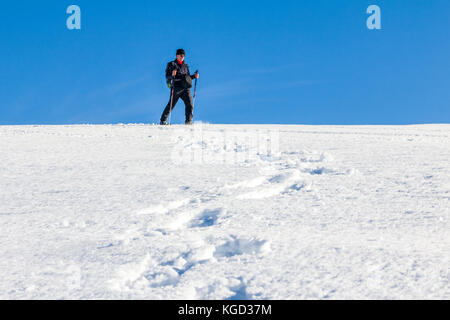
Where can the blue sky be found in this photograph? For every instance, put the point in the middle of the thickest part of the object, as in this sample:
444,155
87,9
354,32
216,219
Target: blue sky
296,62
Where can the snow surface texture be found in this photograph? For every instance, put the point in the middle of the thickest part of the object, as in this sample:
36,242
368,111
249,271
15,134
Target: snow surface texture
224,212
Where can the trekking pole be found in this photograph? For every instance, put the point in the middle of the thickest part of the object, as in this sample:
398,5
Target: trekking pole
171,102
195,91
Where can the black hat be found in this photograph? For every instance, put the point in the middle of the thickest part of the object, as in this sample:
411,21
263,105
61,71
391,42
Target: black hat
180,51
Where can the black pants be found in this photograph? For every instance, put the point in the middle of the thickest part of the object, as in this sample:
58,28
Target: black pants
185,95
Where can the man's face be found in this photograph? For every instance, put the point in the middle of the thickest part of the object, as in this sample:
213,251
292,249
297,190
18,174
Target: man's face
180,57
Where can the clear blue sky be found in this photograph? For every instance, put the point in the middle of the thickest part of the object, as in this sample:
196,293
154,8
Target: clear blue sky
302,62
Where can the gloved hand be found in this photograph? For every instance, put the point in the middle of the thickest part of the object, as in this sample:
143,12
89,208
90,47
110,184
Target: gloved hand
169,85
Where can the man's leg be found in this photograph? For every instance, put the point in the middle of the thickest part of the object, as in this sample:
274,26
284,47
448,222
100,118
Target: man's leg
167,110
187,99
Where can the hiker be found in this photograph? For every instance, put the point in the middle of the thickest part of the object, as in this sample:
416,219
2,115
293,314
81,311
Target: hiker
179,80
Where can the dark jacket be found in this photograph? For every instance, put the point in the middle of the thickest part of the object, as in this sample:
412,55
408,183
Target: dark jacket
183,79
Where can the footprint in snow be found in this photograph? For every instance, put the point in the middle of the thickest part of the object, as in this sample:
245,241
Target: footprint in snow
239,246
207,218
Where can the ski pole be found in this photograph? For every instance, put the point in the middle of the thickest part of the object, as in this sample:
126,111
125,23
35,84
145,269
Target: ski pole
195,90
171,102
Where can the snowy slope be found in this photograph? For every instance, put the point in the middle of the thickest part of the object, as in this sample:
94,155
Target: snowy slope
225,212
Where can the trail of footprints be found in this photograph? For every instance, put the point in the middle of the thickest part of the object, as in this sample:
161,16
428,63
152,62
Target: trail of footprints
168,270
285,174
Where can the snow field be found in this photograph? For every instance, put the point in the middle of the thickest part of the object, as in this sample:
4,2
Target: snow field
225,212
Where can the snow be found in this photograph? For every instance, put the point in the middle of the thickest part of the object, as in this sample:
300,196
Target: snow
224,212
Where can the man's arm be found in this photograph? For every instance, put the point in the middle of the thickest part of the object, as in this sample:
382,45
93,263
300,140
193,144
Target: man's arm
169,73
194,76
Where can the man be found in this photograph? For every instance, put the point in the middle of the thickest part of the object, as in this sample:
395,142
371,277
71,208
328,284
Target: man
179,80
